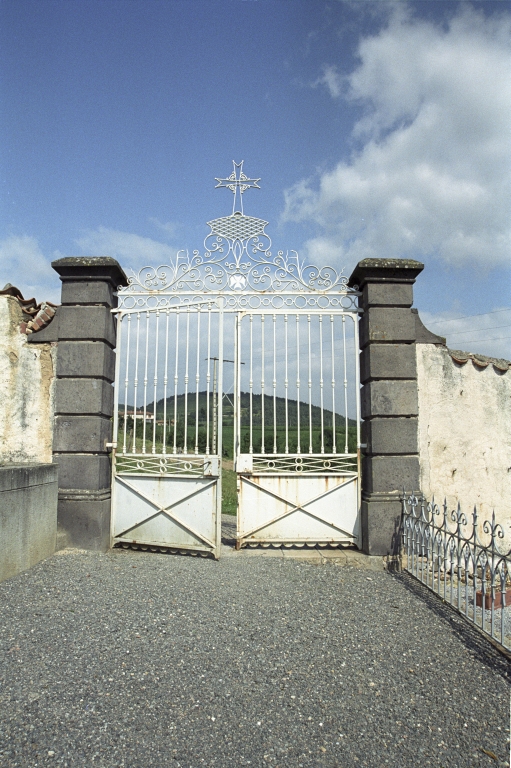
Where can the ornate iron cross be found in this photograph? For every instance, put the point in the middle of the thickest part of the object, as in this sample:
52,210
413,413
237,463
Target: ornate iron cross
237,183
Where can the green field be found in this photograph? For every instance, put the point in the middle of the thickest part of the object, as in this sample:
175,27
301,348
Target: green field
176,431
310,425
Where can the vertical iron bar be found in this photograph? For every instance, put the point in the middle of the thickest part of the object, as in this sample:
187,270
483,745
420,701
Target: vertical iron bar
144,428
220,424
215,409
251,382
345,385
208,379
356,363
262,384
286,384
155,380
298,449
274,383
176,379
135,393
310,381
237,386
187,357
197,382
334,437
126,382
321,382
165,382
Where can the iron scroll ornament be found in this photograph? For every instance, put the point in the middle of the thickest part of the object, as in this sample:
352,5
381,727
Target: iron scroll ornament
237,263
237,258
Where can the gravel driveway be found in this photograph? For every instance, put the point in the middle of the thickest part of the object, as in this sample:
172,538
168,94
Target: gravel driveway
139,659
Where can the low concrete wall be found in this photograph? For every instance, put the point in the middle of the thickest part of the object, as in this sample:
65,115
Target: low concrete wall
27,385
465,431
28,516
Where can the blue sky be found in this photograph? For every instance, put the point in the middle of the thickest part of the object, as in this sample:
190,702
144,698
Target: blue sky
377,129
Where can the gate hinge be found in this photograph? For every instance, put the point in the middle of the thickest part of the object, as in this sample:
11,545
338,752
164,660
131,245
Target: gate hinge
110,446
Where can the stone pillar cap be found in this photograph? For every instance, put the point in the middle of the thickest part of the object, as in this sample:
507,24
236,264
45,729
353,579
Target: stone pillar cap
91,268
385,271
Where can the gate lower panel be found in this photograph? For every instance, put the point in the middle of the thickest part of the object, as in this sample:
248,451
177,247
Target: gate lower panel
276,509
172,512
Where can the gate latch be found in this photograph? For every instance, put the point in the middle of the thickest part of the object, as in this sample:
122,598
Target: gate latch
211,465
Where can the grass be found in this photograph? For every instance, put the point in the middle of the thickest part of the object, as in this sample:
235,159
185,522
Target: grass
229,489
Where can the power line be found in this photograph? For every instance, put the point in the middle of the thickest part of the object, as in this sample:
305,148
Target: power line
494,338
472,330
466,317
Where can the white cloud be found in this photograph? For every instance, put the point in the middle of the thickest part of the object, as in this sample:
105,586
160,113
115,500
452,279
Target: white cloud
169,227
431,175
332,80
130,249
23,264
485,334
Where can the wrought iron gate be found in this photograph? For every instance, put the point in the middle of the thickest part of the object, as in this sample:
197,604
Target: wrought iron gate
296,459
167,478
293,336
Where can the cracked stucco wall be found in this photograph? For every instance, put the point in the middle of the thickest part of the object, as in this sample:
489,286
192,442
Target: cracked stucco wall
465,434
27,391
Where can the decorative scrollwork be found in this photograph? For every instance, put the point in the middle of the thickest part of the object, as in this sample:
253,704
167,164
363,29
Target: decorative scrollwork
237,258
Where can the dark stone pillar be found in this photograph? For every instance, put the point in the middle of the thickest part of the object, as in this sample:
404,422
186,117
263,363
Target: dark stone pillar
84,397
388,373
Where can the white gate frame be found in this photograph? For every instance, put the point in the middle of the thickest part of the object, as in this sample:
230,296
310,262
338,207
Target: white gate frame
301,498
149,486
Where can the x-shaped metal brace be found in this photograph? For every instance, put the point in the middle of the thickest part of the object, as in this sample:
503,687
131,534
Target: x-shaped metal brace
166,509
295,508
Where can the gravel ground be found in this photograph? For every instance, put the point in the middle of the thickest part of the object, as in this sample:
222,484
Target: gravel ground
140,659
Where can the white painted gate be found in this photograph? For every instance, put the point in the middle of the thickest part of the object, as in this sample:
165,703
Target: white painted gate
296,457
168,425
293,338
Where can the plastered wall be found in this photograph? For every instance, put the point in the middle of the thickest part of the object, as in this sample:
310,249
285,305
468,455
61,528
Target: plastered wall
27,382
465,431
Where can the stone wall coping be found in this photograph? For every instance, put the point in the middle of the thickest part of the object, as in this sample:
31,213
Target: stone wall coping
91,268
13,476
385,270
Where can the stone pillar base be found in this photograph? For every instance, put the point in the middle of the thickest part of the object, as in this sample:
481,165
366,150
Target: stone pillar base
381,521
85,518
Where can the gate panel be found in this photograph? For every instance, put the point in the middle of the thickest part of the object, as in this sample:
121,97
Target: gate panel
298,510
168,427
297,448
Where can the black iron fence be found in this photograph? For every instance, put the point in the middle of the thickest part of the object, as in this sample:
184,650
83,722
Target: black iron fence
467,562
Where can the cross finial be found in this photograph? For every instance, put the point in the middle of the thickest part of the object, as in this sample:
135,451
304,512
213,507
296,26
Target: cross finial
237,183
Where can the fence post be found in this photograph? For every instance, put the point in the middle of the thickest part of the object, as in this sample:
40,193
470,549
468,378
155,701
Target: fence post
84,397
388,374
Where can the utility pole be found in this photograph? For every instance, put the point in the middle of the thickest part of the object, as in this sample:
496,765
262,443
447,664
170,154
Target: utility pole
215,409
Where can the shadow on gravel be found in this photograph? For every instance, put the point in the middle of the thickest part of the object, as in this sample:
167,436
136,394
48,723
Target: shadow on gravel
229,530
470,636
